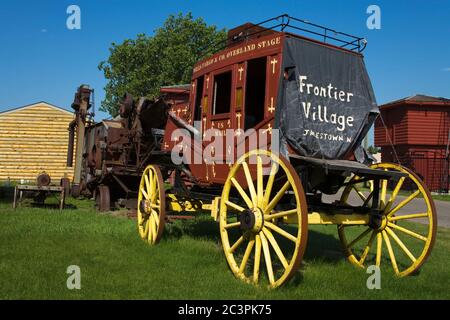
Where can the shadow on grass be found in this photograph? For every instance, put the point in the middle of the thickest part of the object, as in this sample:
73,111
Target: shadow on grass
319,246
6,194
53,206
7,197
198,228
323,246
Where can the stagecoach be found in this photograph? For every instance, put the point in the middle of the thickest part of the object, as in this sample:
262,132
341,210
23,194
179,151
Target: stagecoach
267,138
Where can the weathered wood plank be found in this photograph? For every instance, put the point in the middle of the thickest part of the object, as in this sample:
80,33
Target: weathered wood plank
34,139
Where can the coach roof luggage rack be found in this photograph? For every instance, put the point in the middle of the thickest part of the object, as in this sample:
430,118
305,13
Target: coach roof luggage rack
285,22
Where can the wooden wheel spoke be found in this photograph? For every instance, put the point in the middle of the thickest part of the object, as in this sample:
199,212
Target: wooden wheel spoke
269,184
234,206
154,229
246,256
367,248
383,191
394,194
359,193
232,225
277,197
152,178
251,186
150,175
146,228
140,219
390,251
408,232
154,197
149,222
280,214
155,187
145,194
400,244
276,247
280,231
267,258
155,217
379,249
147,185
403,203
369,197
257,258
409,216
236,244
358,238
259,181
241,191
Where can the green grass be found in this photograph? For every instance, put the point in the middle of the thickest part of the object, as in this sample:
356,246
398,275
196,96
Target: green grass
441,197
38,244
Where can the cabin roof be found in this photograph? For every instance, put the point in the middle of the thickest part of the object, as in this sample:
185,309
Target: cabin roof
34,105
417,99
178,88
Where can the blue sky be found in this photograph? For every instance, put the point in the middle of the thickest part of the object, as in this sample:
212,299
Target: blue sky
40,59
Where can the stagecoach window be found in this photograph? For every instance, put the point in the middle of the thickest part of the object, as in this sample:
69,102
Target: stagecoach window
198,99
255,92
222,93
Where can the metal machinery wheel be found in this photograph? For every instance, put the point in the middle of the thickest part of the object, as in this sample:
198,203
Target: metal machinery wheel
102,198
253,225
402,202
151,209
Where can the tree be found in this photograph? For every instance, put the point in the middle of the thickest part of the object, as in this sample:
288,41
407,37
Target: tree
141,66
373,150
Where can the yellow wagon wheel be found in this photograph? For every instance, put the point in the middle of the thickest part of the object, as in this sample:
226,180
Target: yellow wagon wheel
403,203
252,221
151,209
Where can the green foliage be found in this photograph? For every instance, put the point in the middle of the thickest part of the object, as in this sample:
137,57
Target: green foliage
141,66
373,149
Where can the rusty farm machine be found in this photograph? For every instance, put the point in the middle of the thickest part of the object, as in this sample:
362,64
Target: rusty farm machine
301,91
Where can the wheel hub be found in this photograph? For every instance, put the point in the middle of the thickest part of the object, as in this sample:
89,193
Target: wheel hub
383,224
378,222
251,220
144,206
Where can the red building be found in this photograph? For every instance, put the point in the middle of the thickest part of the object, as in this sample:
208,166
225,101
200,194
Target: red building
415,131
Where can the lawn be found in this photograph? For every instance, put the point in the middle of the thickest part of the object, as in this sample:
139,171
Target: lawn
38,244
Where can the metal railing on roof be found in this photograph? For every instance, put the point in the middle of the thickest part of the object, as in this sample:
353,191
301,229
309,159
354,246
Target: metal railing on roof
285,22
